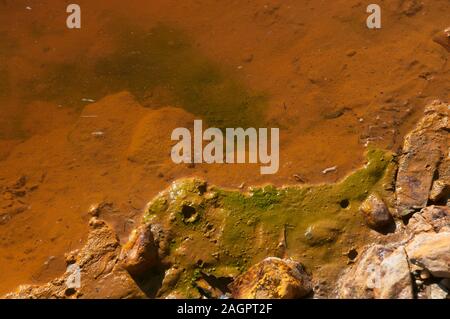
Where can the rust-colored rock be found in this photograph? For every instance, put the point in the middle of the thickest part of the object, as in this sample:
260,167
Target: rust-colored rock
140,253
424,149
375,212
272,278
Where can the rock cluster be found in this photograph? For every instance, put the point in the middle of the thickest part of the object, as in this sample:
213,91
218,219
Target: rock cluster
100,273
405,268
415,262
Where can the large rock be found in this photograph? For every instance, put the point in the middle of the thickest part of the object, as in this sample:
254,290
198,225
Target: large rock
424,149
272,278
99,272
432,252
381,272
395,277
375,212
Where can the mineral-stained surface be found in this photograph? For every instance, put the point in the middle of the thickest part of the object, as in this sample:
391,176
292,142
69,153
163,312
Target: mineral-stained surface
197,240
272,278
375,212
99,273
207,232
425,155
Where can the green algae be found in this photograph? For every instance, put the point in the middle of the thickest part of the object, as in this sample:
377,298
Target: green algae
314,224
147,62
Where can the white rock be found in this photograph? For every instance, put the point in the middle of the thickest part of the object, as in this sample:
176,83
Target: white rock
431,251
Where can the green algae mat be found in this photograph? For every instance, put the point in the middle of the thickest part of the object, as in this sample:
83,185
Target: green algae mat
210,231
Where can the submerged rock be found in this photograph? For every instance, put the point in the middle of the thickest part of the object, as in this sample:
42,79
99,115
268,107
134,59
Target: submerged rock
443,38
272,278
140,253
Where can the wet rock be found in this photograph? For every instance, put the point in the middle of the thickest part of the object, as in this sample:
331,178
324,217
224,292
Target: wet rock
443,38
375,212
140,253
273,278
100,273
432,252
423,151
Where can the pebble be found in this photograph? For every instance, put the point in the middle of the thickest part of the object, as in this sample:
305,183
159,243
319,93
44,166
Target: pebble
329,170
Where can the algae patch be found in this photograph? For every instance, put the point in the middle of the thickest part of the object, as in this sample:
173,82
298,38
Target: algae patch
233,230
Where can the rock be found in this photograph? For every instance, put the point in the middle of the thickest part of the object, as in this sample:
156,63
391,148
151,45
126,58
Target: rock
443,38
425,274
437,292
100,273
272,278
431,218
375,212
423,150
440,191
432,252
140,253
438,217
395,278
379,273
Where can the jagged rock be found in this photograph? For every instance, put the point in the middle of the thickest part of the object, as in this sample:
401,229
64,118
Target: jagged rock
140,253
440,191
100,273
431,218
272,278
443,38
431,251
375,212
395,278
381,272
423,151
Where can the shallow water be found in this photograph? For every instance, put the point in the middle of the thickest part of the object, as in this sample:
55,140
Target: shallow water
311,68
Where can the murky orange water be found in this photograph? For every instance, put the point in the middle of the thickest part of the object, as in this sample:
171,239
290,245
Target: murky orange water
311,68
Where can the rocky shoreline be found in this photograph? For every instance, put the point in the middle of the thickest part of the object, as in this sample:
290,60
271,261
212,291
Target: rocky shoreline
406,210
